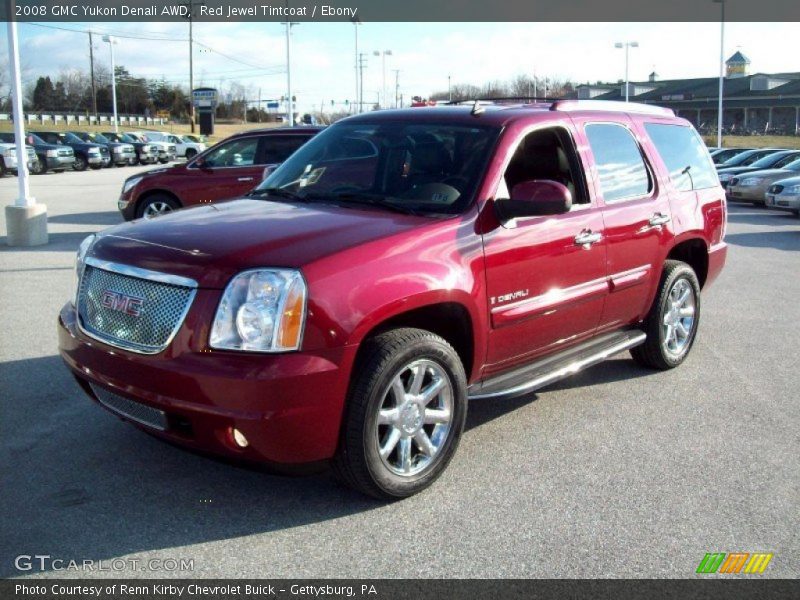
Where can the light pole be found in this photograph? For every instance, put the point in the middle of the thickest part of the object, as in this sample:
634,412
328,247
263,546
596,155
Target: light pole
721,69
356,22
627,46
289,101
384,54
449,90
111,41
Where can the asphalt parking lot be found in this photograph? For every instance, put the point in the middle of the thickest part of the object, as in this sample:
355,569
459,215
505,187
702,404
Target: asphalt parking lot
616,472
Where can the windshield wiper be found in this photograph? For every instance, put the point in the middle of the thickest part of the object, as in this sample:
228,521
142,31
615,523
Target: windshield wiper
373,200
278,192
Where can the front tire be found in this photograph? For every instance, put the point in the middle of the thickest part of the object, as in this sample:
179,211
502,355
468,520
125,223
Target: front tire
671,325
155,205
404,415
80,163
39,167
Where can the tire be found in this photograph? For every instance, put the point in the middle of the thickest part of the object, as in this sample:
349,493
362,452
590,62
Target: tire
163,161
157,204
40,167
80,163
385,410
3,169
96,167
669,316
190,153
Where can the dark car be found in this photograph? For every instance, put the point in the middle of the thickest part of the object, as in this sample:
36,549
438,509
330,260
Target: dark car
122,153
51,157
720,155
87,154
145,153
398,266
772,159
228,170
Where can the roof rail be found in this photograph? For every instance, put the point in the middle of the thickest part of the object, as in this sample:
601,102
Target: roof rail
517,99
611,106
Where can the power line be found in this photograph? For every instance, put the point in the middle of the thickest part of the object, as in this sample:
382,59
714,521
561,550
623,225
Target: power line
129,36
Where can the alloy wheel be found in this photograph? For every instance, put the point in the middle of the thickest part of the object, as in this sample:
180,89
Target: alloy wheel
678,318
156,208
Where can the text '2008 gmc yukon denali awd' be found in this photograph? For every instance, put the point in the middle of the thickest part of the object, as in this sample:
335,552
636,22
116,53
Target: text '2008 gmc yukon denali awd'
397,266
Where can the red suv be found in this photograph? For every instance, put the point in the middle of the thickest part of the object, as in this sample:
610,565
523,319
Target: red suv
397,266
228,170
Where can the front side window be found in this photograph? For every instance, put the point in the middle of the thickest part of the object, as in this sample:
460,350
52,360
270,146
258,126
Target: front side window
277,148
421,167
685,156
621,171
236,153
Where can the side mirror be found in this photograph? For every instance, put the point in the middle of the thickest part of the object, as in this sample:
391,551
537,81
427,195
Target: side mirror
269,170
535,198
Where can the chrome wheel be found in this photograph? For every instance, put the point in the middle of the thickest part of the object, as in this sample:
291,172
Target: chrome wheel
678,318
156,208
415,418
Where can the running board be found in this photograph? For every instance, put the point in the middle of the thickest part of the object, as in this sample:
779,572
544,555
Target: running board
545,371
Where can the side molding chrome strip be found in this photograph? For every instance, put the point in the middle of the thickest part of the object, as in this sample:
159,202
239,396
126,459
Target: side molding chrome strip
566,370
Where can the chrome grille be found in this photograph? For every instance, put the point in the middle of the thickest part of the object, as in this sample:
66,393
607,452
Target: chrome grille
131,312
135,411
66,152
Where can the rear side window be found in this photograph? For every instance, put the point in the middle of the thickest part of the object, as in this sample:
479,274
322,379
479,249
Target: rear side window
277,148
685,156
621,171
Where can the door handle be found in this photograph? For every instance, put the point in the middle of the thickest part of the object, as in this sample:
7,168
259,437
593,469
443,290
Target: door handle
658,219
245,179
587,238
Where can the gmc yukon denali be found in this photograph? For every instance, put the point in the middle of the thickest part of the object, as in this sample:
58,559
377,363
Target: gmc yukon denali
396,267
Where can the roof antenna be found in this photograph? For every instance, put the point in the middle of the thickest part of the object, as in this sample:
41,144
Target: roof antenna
477,109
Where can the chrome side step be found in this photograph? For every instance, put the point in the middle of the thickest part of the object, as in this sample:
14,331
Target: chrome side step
552,368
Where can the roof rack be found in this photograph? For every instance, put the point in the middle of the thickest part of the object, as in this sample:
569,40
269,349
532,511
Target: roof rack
611,106
502,99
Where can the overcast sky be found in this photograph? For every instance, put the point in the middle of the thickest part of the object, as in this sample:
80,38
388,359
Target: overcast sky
425,53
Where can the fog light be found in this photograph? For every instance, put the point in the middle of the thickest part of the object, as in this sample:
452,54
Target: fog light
238,438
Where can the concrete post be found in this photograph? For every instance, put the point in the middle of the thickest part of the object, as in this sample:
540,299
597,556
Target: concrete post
26,221
745,118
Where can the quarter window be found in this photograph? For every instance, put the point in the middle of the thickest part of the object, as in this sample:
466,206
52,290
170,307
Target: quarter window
685,156
621,170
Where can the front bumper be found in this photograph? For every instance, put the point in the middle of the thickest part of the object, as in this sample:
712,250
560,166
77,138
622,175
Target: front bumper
289,406
123,158
60,162
10,162
163,155
96,159
782,201
751,193
148,157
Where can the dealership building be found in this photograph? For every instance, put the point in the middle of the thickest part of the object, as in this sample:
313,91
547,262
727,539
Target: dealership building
759,102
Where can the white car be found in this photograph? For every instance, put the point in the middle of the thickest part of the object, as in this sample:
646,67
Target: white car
166,150
184,147
8,158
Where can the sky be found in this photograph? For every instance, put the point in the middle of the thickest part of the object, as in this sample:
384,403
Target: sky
323,54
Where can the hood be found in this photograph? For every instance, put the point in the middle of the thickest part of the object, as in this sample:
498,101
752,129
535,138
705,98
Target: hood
737,170
770,173
789,181
212,243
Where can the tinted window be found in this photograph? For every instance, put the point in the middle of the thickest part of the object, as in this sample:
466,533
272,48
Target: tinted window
620,168
776,161
756,157
685,155
277,148
236,153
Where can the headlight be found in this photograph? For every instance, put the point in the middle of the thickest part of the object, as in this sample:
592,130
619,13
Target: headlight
93,151
750,182
130,184
262,310
725,176
10,153
52,153
794,189
80,259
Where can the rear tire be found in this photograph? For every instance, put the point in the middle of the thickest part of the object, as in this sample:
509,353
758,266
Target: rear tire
404,415
671,325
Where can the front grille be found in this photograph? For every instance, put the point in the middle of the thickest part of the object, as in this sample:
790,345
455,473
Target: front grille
130,409
67,152
129,312
171,149
775,189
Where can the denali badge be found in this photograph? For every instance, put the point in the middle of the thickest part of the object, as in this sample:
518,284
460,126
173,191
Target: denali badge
130,305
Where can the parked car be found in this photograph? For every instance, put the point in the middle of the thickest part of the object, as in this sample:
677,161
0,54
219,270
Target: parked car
8,158
227,170
197,139
784,194
748,157
146,153
720,155
184,148
122,154
775,159
166,151
397,266
752,186
50,157
87,154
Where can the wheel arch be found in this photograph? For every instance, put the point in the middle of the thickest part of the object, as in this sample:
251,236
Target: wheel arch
154,192
694,252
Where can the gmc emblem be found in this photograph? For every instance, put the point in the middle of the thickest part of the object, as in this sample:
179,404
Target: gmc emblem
129,305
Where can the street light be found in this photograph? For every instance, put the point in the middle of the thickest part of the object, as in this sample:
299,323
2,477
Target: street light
627,46
383,54
721,69
356,22
111,41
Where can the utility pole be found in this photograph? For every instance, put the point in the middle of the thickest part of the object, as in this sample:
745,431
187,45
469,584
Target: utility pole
289,97
449,90
362,62
356,22
721,70
91,70
396,86
258,107
191,4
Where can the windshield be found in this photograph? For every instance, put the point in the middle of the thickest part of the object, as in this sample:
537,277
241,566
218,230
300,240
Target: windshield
67,138
119,137
419,167
774,160
97,138
757,159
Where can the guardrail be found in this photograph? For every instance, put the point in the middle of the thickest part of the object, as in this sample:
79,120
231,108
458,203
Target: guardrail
66,118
